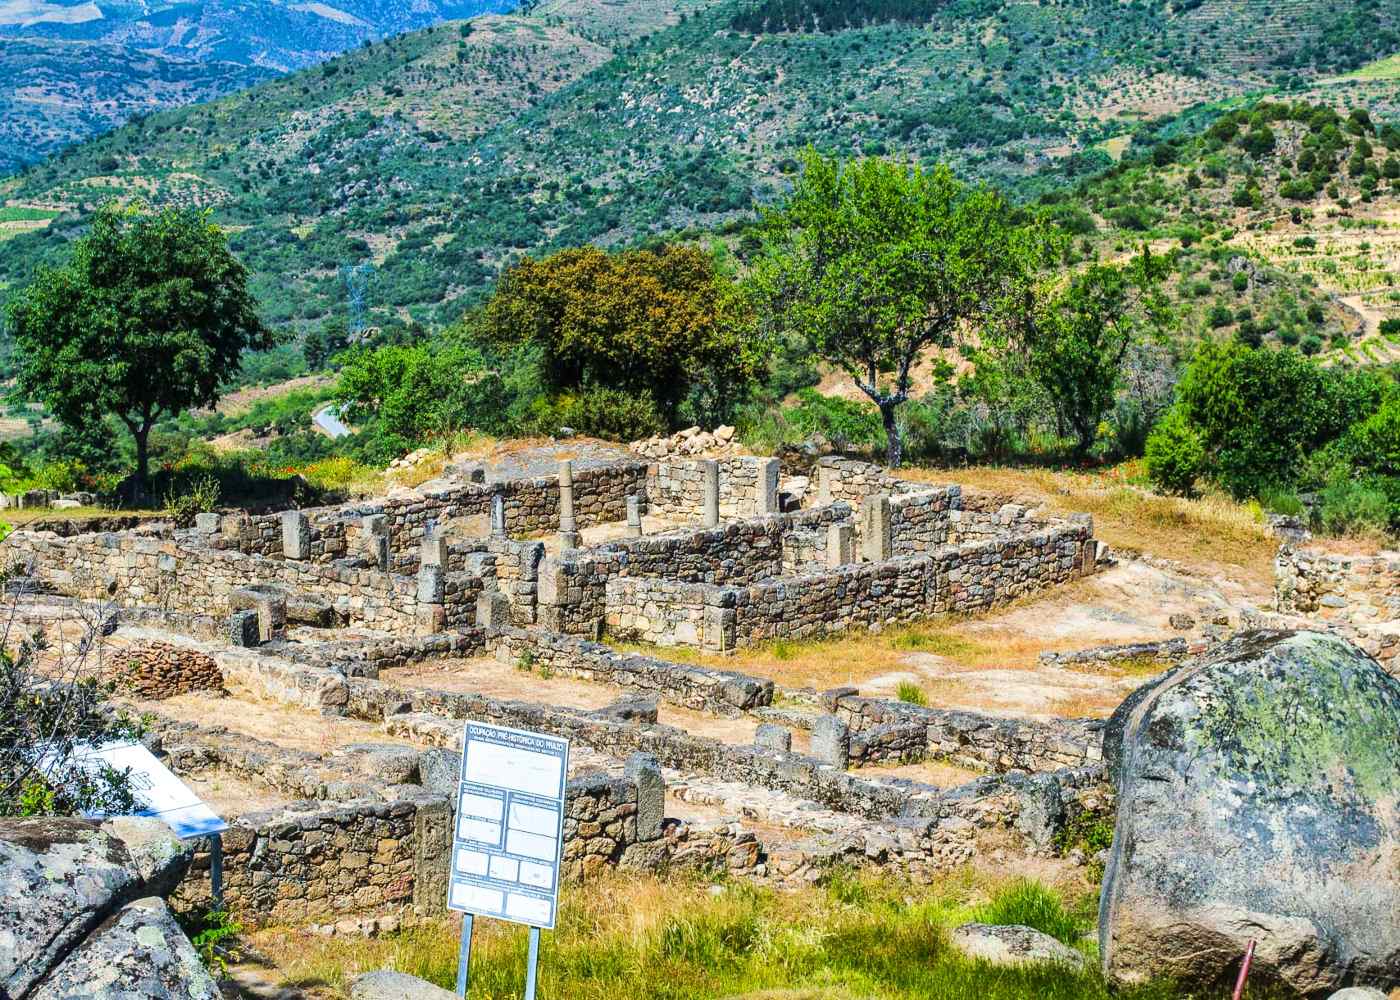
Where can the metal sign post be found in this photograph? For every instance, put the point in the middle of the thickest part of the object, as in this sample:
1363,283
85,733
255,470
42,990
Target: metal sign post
508,844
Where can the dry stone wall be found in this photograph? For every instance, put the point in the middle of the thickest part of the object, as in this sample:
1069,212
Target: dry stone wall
1337,588
748,487
158,670
920,521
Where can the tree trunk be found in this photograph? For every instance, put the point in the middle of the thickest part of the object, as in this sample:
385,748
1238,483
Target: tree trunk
894,443
142,435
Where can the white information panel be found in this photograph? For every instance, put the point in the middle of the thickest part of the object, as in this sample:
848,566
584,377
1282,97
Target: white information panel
510,825
158,791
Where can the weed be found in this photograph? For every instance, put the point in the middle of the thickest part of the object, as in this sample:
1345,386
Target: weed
1030,904
198,496
911,694
214,935
526,661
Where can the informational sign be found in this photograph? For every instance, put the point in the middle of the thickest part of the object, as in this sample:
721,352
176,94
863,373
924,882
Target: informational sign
510,825
157,791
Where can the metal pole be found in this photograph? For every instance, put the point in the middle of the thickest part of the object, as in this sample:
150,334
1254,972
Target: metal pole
1244,971
464,957
534,961
216,869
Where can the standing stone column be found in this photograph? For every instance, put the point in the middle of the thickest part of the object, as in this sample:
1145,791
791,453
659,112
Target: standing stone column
498,516
875,528
433,551
634,516
296,535
374,529
643,770
831,741
568,527
709,469
824,497
840,544
767,500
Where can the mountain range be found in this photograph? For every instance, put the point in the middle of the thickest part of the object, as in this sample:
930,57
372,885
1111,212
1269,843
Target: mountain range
434,157
70,70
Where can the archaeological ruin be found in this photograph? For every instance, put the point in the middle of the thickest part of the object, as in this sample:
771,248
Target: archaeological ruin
333,654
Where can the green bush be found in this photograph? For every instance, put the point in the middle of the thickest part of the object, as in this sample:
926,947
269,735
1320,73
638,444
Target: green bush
1354,508
1175,454
611,414
911,694
199,495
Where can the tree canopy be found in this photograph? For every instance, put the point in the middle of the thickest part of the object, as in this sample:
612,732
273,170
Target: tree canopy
149,316
652,322
873,262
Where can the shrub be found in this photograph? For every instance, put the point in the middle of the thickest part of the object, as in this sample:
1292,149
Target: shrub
199,495
1354,508
611,414
1175,454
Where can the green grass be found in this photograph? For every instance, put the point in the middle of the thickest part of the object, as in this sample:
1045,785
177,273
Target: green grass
646,939
1030,904
1382,69
911,694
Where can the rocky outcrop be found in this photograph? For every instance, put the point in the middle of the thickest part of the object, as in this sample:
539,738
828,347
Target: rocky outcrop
1259,798
80,919
389,985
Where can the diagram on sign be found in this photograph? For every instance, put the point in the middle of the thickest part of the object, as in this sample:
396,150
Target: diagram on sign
510,822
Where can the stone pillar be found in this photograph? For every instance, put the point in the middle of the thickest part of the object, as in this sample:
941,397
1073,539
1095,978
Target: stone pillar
719,629
243,629
824,498
709,469
374,529
643,770
433,551
773,737
840,544
634,516
270,607
767,500
492,609
432,585
875,528
831,741
296,535
568,526
498,516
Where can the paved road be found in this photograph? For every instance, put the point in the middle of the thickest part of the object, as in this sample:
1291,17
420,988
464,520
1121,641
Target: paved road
328,419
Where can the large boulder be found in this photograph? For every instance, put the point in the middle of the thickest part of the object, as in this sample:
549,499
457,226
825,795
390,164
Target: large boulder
1259,798
1012,944
389,985
68,884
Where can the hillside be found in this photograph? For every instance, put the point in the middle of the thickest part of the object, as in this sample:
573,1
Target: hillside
72,70
438,155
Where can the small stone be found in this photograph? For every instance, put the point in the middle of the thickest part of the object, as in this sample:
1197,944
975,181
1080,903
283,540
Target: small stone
1012,945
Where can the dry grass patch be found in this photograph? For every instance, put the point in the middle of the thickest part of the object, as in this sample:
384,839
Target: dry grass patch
1212,533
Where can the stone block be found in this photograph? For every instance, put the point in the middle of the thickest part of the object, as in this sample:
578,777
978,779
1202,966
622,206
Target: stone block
207,524
492,609
831,741
433,551
634,516
643,770
296,535
840,545
773,737
875,528
379,553
270,605
243,629
432,585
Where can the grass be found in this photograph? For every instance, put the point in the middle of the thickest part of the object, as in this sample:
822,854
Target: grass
23,213
1382,69
911,694
1209,532
648,939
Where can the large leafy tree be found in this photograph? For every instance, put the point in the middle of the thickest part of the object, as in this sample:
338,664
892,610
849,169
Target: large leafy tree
874,262
148,317
1074,333
651,322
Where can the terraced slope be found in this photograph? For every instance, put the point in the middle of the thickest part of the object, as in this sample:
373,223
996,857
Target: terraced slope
439,155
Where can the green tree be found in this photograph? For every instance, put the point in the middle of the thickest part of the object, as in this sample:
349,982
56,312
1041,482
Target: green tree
148,317
1075,333
653,322
412,392
874,262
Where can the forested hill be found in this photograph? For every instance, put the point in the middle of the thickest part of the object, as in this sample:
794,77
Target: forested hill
438,155
71,69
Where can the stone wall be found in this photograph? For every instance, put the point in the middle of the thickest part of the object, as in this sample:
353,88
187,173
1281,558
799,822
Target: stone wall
1340,588
883,730
572,590
851,480
662,612
748,487
722,692
179,572
919,521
